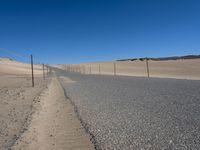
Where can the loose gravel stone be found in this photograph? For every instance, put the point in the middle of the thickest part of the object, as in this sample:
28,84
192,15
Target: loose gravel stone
137,113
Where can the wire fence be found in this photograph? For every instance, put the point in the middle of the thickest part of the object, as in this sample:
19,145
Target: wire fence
181,69
31,66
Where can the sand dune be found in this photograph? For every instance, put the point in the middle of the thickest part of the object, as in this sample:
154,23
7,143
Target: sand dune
39,117
11,67
180,69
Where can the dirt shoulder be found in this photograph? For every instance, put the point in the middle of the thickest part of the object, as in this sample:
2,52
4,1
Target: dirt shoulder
54,124
17,98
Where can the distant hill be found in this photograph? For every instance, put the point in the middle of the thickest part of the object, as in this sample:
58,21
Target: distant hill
164,58
5,59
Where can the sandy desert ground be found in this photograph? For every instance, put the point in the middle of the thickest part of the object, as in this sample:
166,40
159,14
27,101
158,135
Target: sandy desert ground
180,69
39,117
11,67
44,118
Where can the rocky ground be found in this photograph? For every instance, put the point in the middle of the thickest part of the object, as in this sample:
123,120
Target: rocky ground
54,125
17,98
136,113
38,118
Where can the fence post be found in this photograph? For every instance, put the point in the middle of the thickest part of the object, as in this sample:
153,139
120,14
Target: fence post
47,69
90,70
115,73
32,70
99,69
84,70
43,72
147,63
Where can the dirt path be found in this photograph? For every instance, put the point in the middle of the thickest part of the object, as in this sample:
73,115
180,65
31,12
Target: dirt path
54,125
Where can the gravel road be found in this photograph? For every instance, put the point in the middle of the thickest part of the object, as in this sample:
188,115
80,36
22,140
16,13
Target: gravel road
137,113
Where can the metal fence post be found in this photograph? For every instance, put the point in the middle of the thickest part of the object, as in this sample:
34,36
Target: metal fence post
47,69
43,72
32,70
115,73
90,70
147,64
99,69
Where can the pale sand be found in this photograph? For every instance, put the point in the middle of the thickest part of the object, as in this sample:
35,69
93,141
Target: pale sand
16,106
17,98
35,118
54,125
179,69
11,67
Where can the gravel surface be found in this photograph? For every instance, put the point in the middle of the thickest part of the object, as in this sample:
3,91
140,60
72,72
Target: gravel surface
137,113
17,103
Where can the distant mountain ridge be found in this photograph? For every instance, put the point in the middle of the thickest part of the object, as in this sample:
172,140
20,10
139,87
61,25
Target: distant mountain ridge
5,59
163,58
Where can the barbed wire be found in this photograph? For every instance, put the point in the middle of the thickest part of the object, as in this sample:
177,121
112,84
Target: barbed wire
27,57
14,53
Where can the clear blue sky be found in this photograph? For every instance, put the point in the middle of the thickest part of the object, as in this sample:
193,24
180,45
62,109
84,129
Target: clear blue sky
73,31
